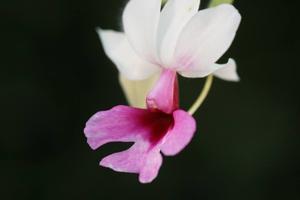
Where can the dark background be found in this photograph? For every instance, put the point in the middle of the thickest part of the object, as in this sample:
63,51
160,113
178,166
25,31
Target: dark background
54,76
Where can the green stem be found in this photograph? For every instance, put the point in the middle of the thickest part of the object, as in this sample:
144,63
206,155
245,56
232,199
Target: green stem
202,95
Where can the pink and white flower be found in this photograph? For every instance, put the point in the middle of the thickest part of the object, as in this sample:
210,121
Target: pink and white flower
178,37
162,127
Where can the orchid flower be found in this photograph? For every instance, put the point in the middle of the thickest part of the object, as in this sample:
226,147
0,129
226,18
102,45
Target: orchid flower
178,37
156,45
162,127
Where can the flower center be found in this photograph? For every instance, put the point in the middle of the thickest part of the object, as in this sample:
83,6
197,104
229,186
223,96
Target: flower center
159,124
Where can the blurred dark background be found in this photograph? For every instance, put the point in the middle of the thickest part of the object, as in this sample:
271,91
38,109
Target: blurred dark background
54,76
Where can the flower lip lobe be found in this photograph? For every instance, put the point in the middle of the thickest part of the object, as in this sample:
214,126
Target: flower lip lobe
160,128
152,132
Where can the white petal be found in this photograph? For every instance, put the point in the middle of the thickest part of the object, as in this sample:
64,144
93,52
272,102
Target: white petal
205,39
140,21
200,72
227,71
174,16
118,49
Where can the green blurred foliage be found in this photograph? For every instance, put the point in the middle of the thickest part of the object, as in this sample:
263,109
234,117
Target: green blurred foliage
218,2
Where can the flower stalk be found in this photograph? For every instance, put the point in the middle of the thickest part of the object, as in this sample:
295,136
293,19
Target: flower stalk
209,80
199,101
